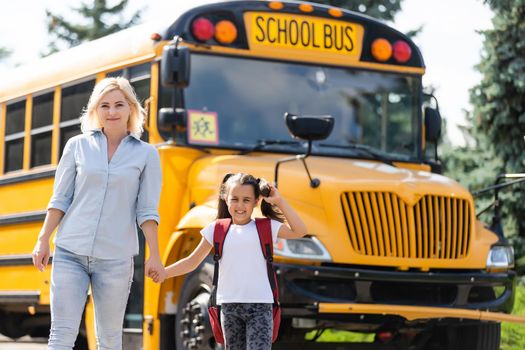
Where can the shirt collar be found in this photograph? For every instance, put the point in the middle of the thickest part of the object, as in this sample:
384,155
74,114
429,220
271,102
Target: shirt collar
99,131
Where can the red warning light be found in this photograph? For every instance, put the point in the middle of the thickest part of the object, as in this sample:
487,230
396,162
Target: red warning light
402,51
202,29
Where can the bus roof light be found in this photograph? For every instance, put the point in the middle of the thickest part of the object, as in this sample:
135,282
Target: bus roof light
276,5
225,32
202,29
381,50
402,51
306,8
335,12
155,36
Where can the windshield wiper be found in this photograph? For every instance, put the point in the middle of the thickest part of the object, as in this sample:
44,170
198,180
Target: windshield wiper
262,143
363,148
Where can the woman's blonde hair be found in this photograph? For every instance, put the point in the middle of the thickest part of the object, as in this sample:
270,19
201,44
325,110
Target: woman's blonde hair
89,119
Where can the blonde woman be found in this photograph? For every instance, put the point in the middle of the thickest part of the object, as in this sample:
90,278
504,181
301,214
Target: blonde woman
106,183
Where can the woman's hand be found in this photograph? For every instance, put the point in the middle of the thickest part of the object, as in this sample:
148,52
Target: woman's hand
41,254
155,270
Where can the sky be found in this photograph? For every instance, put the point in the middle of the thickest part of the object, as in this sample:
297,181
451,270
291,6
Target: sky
450,42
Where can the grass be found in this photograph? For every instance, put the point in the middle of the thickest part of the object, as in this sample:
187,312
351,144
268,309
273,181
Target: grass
334,336
512,334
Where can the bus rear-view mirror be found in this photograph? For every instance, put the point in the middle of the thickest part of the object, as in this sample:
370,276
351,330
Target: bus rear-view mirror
170,119
309,128
175,66
432,124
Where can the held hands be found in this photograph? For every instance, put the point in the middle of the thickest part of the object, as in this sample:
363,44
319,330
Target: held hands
41,254
155,270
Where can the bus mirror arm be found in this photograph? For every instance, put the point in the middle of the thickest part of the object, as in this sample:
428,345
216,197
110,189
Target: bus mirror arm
309,128
314,183
496,226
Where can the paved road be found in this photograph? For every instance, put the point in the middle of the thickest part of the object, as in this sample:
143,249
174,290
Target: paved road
25,343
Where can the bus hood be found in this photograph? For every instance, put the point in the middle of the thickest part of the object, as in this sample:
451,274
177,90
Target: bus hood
367,212
336,175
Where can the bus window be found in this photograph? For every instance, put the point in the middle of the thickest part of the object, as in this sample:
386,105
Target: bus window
14,136
116,73
41,129
74,99
140,78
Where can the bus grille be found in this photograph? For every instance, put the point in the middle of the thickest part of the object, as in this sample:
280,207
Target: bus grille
381,224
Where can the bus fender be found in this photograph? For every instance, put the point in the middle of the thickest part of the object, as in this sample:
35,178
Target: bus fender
198,217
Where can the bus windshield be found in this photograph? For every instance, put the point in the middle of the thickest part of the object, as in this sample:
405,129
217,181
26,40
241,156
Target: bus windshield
249,98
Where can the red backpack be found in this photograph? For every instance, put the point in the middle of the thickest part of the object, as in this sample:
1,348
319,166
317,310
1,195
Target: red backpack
264,229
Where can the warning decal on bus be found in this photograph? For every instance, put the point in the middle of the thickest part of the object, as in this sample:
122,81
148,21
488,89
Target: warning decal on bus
203,127
305,34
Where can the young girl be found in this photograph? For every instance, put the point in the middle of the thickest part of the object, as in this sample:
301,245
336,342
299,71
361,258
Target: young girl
244,291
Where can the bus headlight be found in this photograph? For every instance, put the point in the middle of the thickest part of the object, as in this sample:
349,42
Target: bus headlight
501,257
302,248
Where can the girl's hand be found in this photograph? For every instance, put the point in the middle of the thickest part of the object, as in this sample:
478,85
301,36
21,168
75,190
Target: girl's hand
41,254
155,270
275,197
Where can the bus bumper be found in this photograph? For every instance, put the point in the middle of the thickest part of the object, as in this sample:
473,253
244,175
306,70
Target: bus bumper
417,313
306,291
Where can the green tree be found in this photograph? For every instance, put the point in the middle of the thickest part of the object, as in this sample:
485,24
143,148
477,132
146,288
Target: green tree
4,53
383,9
499,100
97,15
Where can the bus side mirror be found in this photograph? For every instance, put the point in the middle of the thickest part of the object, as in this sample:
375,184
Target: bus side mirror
309,128
175,66
432,124
171,120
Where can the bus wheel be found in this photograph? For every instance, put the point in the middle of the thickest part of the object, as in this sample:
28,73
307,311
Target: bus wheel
480,336
11,325
192,324
484,336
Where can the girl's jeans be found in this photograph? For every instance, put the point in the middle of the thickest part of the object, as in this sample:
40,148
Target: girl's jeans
247,326
110,282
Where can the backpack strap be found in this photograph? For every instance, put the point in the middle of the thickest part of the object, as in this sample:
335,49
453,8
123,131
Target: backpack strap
264,229
219,235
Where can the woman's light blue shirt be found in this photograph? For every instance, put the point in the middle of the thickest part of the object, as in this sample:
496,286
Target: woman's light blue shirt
104,201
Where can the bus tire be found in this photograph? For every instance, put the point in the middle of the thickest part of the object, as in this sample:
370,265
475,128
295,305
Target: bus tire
480,336
484,336
192,324
11,325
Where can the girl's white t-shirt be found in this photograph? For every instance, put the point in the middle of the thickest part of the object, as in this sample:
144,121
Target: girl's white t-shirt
243,277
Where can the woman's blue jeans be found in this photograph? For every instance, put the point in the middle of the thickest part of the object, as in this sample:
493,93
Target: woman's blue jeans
70,279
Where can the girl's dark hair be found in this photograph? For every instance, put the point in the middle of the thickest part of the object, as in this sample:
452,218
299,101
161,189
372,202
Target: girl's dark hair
259,186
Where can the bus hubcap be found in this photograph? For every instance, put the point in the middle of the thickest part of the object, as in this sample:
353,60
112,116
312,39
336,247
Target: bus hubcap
196,333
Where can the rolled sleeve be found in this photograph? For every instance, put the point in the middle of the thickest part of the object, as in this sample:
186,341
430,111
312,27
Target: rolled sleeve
149,189
64,187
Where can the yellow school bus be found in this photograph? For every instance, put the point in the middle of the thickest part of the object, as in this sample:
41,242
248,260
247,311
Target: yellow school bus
325,102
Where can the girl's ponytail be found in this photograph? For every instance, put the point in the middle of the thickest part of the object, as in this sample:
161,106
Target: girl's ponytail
267,209
271,211
222,206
